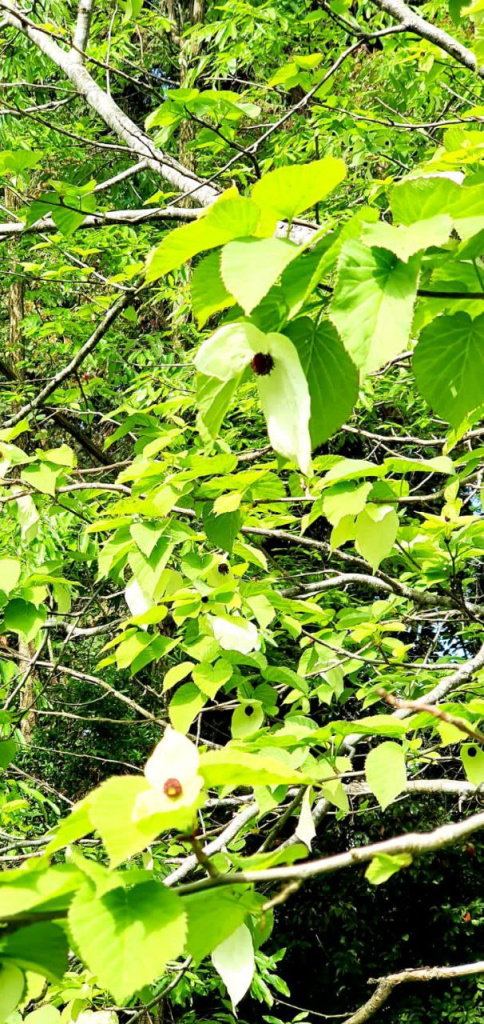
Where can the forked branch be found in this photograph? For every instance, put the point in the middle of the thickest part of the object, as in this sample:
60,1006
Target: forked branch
386,985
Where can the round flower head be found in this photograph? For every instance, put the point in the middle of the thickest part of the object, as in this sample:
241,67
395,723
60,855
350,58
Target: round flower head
172,772
283,388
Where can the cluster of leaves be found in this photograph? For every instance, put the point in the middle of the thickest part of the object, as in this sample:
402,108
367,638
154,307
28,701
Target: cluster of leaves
248,573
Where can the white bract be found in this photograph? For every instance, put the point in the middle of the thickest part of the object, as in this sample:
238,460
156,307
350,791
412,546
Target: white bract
283,387
97,1017
234,960
136,600
172,772
235,634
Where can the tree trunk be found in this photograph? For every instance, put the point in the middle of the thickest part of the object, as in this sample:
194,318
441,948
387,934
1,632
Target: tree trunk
15,354
188,50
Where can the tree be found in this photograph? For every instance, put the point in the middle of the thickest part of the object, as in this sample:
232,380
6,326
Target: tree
241,472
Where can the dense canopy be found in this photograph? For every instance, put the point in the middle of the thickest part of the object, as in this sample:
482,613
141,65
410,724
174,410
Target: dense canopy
241,522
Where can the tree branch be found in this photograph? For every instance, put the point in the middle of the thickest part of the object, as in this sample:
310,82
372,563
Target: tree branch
386,985
112,115
81,34
111,315
233,828
448,683
65,423
431,709
414,23
412,842
100,220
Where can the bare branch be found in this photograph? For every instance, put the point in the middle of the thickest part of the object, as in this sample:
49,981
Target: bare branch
443,787
128,173
412,842
414,23
99,220
419,597
95,681
143,1014
233,828
81,35
107,109
76,361
448,683
65,423
386,985
443,716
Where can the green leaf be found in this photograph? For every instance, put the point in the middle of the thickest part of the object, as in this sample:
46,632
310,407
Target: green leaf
233,767
385,772
28,517
12,985
455,7
473,761
209,678
251,266
332,376
41,948
288,191
42,476
212,916
401,464
344,531
376,531
344,499
335,793
284,674
61,456
8,749
234,960
420,199
176,673
132,9
449,365
349,469
213,399
129,649
247,719
10,569
185,706
227,503
222,529
146,536
272,313
23,618
203,465
209,294
111,813
385,865
128,935
230,217
46,1014
269,858
372,304
15,161
21,890
372,725
467,207
66,218
406,241
301,278
77,825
